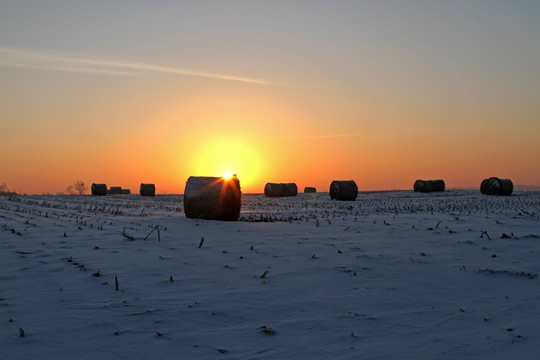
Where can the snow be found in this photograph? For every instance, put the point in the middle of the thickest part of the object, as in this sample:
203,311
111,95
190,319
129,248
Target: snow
392,275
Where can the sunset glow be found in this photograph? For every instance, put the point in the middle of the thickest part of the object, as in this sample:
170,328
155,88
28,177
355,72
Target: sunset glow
384,93
218,156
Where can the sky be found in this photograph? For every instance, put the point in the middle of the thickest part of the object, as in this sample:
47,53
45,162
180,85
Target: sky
381,92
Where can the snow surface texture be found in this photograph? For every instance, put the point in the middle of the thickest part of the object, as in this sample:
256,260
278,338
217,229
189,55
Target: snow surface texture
392,275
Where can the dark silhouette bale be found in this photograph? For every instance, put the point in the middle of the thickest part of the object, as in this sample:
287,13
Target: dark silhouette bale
427,186
309,189
99,189
280,189
483,186
274,190
126,192
291,189
496,186
212,198
507,187
147,190
343,190
115,190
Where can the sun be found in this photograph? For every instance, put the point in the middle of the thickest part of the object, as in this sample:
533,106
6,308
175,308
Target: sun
227,157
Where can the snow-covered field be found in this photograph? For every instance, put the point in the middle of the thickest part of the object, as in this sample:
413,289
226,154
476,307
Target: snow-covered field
392,275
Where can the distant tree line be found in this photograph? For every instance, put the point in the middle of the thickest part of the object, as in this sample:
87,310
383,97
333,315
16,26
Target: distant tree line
4,190
77,188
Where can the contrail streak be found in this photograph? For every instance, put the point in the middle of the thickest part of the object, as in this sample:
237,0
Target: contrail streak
18,58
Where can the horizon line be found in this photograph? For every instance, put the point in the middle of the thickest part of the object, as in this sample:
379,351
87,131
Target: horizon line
458,188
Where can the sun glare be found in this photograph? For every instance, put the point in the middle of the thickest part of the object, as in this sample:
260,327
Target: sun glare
227,156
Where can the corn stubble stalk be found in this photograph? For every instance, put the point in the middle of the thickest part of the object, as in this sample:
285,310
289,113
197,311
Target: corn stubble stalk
151,231
212,198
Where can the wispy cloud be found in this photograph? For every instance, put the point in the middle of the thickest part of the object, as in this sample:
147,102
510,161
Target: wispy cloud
21,58
404,131
328,136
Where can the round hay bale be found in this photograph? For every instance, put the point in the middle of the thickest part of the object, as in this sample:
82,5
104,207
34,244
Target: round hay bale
274,190
492,186
291,189
212,198
343,190
280,189
309,189
147,190
507,187
99,189
429,185
496,186
115,190
483,186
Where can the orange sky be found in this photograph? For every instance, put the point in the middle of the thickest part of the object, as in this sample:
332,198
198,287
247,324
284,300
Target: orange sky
383,94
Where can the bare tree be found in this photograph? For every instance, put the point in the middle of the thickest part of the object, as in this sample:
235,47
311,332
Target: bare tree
70,190
80,187
77,188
